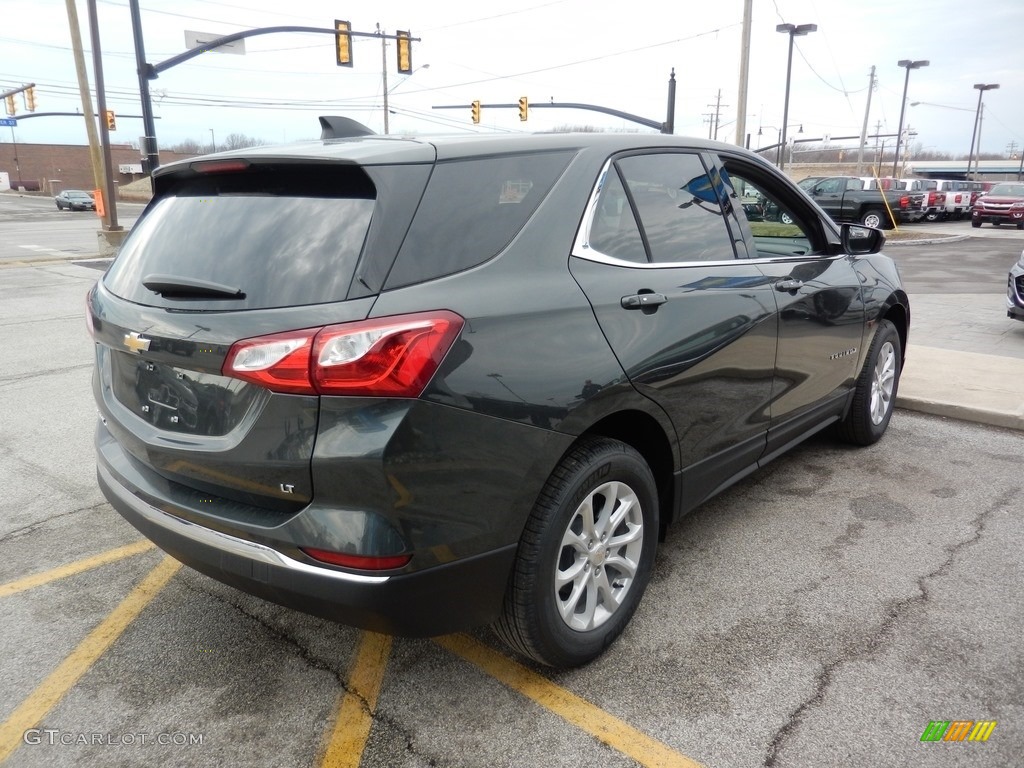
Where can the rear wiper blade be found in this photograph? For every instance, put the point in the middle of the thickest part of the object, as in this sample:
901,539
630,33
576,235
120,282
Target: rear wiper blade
172,287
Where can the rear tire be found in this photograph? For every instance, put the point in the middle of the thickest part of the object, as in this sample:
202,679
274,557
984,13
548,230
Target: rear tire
585,556
874,218
874,395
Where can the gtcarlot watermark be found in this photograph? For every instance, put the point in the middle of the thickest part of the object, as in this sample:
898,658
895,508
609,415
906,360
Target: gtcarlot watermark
56,737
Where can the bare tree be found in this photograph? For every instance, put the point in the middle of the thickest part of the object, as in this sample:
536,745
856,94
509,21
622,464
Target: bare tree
240,141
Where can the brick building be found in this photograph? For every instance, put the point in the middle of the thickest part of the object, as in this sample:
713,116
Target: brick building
49,168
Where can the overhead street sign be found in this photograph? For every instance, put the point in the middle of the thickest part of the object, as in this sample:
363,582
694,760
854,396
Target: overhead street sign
8,121
203,40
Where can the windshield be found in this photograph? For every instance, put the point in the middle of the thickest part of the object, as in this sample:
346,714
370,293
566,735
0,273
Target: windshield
1008,190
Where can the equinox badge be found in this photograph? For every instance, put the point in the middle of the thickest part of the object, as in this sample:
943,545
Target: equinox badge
136,343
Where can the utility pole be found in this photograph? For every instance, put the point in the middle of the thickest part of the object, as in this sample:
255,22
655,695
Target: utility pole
1011,149
384,71
864,127
109,202
83,89
741,106
714,118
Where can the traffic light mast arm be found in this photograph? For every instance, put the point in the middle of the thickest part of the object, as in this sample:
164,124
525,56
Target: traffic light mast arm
569,105
153,70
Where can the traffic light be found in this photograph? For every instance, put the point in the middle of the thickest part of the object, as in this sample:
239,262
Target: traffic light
30,99
111,121
11,109
475,106
404,52
523,108
343,42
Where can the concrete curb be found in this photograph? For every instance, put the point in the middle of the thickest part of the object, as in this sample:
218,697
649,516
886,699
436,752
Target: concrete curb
927,241
987,389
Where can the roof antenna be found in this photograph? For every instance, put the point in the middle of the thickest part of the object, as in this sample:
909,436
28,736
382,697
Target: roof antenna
337,127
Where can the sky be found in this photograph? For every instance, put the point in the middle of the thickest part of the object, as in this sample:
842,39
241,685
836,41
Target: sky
612,55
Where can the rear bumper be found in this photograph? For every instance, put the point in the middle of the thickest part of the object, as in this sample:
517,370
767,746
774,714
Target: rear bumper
446,598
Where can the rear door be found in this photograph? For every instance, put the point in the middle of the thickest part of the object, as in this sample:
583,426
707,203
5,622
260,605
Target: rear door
689,318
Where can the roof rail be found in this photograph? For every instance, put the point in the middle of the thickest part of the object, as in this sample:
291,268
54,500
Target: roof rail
337,127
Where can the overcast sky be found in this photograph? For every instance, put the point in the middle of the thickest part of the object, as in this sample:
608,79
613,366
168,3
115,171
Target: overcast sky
547,50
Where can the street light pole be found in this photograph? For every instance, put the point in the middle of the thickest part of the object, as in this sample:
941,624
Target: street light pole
213,141
903,107
793,30
982,87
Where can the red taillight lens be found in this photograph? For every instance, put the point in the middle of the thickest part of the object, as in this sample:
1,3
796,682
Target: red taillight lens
362,562
384,357
904,202
279,362
387,357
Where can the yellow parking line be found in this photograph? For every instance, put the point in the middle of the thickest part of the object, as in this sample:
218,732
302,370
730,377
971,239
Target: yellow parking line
69,672
355,710
579,712
110,556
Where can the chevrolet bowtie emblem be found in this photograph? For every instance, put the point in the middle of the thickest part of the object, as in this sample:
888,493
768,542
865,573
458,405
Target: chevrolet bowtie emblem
136,343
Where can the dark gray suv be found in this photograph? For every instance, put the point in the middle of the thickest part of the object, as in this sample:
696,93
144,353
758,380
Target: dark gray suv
418,385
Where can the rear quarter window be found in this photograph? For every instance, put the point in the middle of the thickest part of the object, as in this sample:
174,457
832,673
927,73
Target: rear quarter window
470,212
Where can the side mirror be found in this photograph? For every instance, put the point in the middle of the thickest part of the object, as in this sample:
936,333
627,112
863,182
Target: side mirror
858,240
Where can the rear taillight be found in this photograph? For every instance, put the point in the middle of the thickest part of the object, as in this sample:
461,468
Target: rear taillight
904,202
89,326
384,357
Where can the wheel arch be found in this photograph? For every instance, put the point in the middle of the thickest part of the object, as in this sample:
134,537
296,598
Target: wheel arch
898,313
643,433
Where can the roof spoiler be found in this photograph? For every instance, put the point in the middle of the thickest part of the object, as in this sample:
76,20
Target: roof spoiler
337,127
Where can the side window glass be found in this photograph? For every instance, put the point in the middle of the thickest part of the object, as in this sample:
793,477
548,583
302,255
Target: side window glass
678,206
614,231
775,230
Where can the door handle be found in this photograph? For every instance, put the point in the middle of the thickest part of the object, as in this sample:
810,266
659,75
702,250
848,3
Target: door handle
789,284
643,300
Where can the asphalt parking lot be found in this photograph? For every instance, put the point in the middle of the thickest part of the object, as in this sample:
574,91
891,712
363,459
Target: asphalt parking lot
823,612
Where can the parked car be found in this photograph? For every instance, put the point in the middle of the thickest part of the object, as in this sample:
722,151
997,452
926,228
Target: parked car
419,385
846,198
1015,290
75,200
1003,204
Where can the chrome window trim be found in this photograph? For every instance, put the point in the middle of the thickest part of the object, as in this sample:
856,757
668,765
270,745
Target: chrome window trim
581,248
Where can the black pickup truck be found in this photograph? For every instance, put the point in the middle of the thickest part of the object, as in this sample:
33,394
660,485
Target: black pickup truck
845,198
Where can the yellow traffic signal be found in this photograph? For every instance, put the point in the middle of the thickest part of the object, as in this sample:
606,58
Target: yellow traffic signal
343,42
475,106
30,99
11,109
111,121
404,52
524,107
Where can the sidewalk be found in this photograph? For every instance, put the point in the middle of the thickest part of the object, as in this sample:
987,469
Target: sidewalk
965,360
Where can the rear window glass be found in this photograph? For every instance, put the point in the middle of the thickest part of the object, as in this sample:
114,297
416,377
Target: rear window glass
285,243
471,210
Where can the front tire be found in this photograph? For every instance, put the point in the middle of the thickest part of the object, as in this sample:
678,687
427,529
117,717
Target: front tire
874,395
976,223
585,556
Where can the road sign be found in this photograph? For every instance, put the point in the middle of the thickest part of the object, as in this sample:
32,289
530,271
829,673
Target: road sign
8,121
203,40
